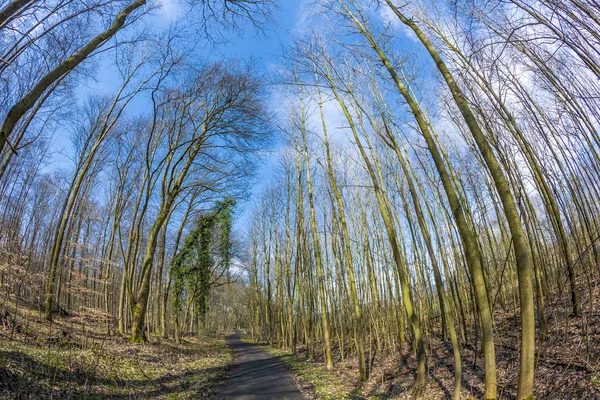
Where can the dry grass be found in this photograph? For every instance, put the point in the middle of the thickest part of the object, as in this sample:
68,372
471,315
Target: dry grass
75,357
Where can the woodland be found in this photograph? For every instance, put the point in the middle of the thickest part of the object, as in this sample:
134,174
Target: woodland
403,203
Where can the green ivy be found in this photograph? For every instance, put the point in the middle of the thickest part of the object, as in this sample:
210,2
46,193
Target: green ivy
191,267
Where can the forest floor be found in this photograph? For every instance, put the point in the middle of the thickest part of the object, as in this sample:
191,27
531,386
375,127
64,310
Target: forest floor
567,362
75,357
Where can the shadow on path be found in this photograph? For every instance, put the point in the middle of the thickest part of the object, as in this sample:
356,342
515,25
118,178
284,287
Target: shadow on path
258,375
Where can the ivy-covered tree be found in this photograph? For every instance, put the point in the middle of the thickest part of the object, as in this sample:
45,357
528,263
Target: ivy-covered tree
206,250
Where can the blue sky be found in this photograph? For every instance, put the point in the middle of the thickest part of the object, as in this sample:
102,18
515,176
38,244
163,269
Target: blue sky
267,48
264,49
290,18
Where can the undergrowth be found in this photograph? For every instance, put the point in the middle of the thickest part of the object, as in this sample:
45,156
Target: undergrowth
67,359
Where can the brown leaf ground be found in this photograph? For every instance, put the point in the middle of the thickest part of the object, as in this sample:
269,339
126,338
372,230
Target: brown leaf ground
75,357
567,362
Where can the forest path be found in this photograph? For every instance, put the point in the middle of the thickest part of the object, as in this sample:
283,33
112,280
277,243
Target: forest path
258,375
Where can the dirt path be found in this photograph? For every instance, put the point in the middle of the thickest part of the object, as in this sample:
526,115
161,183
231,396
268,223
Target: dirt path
258,375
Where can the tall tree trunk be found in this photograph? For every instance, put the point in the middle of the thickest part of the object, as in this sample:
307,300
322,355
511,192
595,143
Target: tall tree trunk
521,247
317,251
26,102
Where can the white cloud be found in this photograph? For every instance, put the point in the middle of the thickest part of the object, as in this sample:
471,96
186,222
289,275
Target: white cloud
170,9
302,19
389,18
